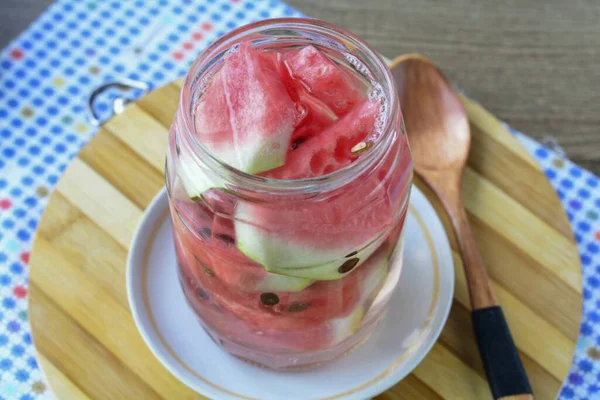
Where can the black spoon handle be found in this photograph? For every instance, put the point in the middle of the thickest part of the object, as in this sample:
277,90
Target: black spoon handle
503,366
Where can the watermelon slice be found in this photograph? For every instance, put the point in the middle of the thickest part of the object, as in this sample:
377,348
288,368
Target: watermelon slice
331,150
318,302
310,240
323,314
245,118
201,226
322,233
195,179
291,275
292,310
240,273
305,334
332,270
334,86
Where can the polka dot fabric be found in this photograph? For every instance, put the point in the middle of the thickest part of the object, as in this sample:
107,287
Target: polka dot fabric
579,192
46,75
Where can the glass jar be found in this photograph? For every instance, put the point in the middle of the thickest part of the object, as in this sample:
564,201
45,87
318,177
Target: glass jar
289,273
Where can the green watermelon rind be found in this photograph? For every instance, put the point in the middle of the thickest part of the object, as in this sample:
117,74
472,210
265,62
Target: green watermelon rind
263,157
265,249
195,181
264,146
328,271
375,279
287,258
343,327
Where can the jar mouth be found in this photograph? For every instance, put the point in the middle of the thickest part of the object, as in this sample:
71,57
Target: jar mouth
332,36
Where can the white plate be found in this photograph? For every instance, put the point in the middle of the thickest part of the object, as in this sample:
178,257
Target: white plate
418,311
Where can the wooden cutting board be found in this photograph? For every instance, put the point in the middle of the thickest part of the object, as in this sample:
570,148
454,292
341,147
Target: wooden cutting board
89,346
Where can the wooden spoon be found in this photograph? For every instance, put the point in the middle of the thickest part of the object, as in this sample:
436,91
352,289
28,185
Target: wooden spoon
439,138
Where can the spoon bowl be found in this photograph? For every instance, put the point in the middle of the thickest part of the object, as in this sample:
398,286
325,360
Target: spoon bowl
443,139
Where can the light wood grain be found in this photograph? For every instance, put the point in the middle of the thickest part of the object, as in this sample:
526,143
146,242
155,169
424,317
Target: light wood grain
448,375
515,271
553,250
60,381
81,358
102,263
107,320
142,133
505,162
123,168
100,201
83,329
410,388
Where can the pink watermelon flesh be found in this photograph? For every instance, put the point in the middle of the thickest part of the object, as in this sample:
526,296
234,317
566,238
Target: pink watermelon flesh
246,116
230,327
235,278
330,150
314,116
299,321
212,229
331,84
321,301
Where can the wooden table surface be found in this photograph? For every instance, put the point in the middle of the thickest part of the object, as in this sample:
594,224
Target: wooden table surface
532,63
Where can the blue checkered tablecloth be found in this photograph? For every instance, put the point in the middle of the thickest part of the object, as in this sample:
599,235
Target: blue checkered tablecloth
46,75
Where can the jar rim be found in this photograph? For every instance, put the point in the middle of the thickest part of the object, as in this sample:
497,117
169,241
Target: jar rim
325,182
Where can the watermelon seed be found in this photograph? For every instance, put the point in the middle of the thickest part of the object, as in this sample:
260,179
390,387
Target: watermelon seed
206,233
361,147
206,270
352,254
348,265
296,307
297,143
269,299
177,149
225,238
202,293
